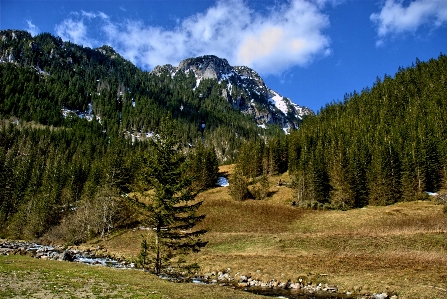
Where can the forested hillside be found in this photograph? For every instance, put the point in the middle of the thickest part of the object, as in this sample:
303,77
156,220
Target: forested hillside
382,145
43,76
74,124
75,180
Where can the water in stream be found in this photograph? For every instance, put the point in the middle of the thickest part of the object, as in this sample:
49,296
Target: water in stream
40,251
293,294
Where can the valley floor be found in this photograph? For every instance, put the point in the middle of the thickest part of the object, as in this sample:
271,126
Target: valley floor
399,249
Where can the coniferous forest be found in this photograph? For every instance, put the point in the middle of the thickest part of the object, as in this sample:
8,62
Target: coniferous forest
380,146
383,145
67,169
69,174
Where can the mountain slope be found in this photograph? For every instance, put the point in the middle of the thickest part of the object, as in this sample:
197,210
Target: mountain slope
45,79
385,144
244,89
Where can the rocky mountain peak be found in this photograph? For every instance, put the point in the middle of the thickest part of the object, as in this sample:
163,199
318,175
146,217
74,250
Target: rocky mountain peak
206,67
245,90
167,68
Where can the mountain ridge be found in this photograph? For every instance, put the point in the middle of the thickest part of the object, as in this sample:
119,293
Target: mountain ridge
245,90
55,82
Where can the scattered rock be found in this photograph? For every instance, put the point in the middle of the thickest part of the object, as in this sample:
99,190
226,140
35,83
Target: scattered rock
222,277
243,278
380,296
331,288
66,256
60,254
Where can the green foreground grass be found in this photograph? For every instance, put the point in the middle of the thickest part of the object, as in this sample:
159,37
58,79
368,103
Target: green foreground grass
399,249
26,277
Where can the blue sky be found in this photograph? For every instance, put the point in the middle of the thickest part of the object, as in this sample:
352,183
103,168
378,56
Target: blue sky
311,51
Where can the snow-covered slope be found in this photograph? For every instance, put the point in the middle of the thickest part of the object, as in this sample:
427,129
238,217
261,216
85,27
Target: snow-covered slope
244,90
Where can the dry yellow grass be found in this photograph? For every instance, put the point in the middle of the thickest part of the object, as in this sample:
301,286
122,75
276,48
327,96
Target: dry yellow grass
400,248
24,124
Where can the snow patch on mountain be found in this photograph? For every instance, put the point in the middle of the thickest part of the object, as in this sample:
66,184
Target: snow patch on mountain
88,115
198,80
279,102
245,90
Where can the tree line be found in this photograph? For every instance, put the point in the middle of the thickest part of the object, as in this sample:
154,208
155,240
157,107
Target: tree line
71,184
257,161
383,145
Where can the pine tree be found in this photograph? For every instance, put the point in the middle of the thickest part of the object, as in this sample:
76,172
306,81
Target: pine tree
341,194
261,188
211,167
144,252
238,185
171,208
204,166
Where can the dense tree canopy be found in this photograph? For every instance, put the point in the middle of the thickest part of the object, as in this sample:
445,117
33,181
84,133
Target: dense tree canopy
43,75
385,144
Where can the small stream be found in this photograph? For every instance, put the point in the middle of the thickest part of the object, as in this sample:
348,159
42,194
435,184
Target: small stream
60,253
90,257
294,294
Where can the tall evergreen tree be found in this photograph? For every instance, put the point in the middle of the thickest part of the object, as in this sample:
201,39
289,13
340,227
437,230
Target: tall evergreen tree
171,208
204,166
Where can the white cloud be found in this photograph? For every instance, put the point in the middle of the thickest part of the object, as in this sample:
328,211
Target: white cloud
92,15
33,29
395,18
80,27
89,15
292,35
287,35
74,31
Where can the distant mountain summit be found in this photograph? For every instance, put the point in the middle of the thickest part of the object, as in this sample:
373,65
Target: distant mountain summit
244,89
241,86
57,83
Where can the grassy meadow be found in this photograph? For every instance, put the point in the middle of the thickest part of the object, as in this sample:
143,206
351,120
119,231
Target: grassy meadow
399,249
26,277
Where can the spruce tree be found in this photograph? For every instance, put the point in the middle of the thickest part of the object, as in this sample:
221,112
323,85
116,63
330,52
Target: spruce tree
238,185
171,208
261,187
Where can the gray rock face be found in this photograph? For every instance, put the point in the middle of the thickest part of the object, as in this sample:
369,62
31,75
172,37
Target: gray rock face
206,67
245,90
167,68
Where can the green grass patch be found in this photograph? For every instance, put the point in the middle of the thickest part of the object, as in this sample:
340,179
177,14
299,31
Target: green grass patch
25,277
